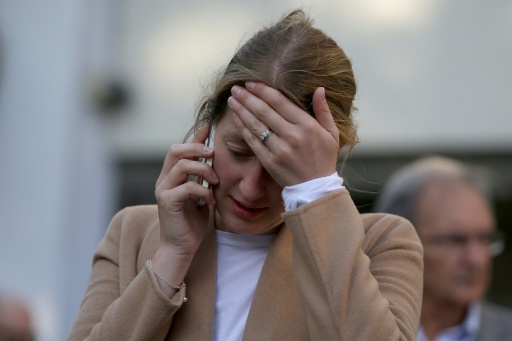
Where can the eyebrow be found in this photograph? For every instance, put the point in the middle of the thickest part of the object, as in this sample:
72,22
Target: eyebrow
235,136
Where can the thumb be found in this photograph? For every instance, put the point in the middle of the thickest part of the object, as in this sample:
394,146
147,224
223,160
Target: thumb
323,114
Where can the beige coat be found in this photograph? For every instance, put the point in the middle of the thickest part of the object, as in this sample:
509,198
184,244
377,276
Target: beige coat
331,274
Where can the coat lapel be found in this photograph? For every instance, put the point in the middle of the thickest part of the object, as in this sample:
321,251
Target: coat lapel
276,301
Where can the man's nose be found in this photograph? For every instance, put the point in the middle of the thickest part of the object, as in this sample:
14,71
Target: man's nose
478,253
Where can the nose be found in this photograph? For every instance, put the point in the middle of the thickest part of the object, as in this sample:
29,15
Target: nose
252,184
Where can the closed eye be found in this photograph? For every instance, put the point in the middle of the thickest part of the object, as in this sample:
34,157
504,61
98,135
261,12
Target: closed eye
238,149
240,154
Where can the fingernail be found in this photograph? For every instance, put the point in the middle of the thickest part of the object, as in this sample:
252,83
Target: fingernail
215,177
232,102
236,118
250,85
207,149
323,95
235,90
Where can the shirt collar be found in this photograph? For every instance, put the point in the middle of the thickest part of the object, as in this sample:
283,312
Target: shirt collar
471,323
467,330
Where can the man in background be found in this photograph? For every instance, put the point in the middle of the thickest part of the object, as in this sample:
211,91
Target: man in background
455,222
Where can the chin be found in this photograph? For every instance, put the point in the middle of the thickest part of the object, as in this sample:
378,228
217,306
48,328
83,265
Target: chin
229,221
233,224
469,296
254,228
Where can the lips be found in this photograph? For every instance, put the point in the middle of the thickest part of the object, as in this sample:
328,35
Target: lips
244,211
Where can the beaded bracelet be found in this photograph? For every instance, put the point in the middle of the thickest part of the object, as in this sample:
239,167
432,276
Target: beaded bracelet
169,284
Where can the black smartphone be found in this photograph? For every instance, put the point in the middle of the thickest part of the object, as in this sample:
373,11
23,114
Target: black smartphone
210,140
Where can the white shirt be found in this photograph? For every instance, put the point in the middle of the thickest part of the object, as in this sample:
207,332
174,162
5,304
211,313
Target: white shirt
240,259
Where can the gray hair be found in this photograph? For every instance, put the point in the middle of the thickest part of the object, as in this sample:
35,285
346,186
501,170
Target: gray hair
400,194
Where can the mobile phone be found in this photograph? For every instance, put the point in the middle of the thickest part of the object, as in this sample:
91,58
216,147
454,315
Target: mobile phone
210,140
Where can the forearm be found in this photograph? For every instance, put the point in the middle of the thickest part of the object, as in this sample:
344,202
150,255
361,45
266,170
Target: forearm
123,298
141,312
170,269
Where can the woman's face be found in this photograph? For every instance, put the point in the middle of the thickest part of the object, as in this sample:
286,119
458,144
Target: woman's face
248,200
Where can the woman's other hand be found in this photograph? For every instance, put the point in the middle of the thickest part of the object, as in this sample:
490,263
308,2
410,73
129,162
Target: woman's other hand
301,148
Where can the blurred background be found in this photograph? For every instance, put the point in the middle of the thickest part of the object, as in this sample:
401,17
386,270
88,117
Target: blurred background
93,92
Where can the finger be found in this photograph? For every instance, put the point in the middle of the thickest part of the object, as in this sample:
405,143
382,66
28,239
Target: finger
171,158
277,101
201,134
187,191
180,173
179,152
251,122
259,149
323,114
255,112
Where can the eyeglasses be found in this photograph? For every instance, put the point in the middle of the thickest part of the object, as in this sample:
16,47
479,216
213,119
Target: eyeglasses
455,242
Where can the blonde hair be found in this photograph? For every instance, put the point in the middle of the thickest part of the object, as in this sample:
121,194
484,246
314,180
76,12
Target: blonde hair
295,58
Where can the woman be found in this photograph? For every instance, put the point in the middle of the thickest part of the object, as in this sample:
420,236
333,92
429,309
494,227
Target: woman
279,252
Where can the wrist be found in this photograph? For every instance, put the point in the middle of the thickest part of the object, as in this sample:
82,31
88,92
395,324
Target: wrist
170,250
300,194
170,267
169,289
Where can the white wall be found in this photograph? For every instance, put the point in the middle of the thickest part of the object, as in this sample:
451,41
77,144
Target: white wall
55,186
432,74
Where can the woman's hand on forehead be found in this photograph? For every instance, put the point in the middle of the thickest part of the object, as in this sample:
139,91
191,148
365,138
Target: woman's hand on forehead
299,148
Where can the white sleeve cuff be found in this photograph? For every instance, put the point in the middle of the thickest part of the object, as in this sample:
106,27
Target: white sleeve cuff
300,194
